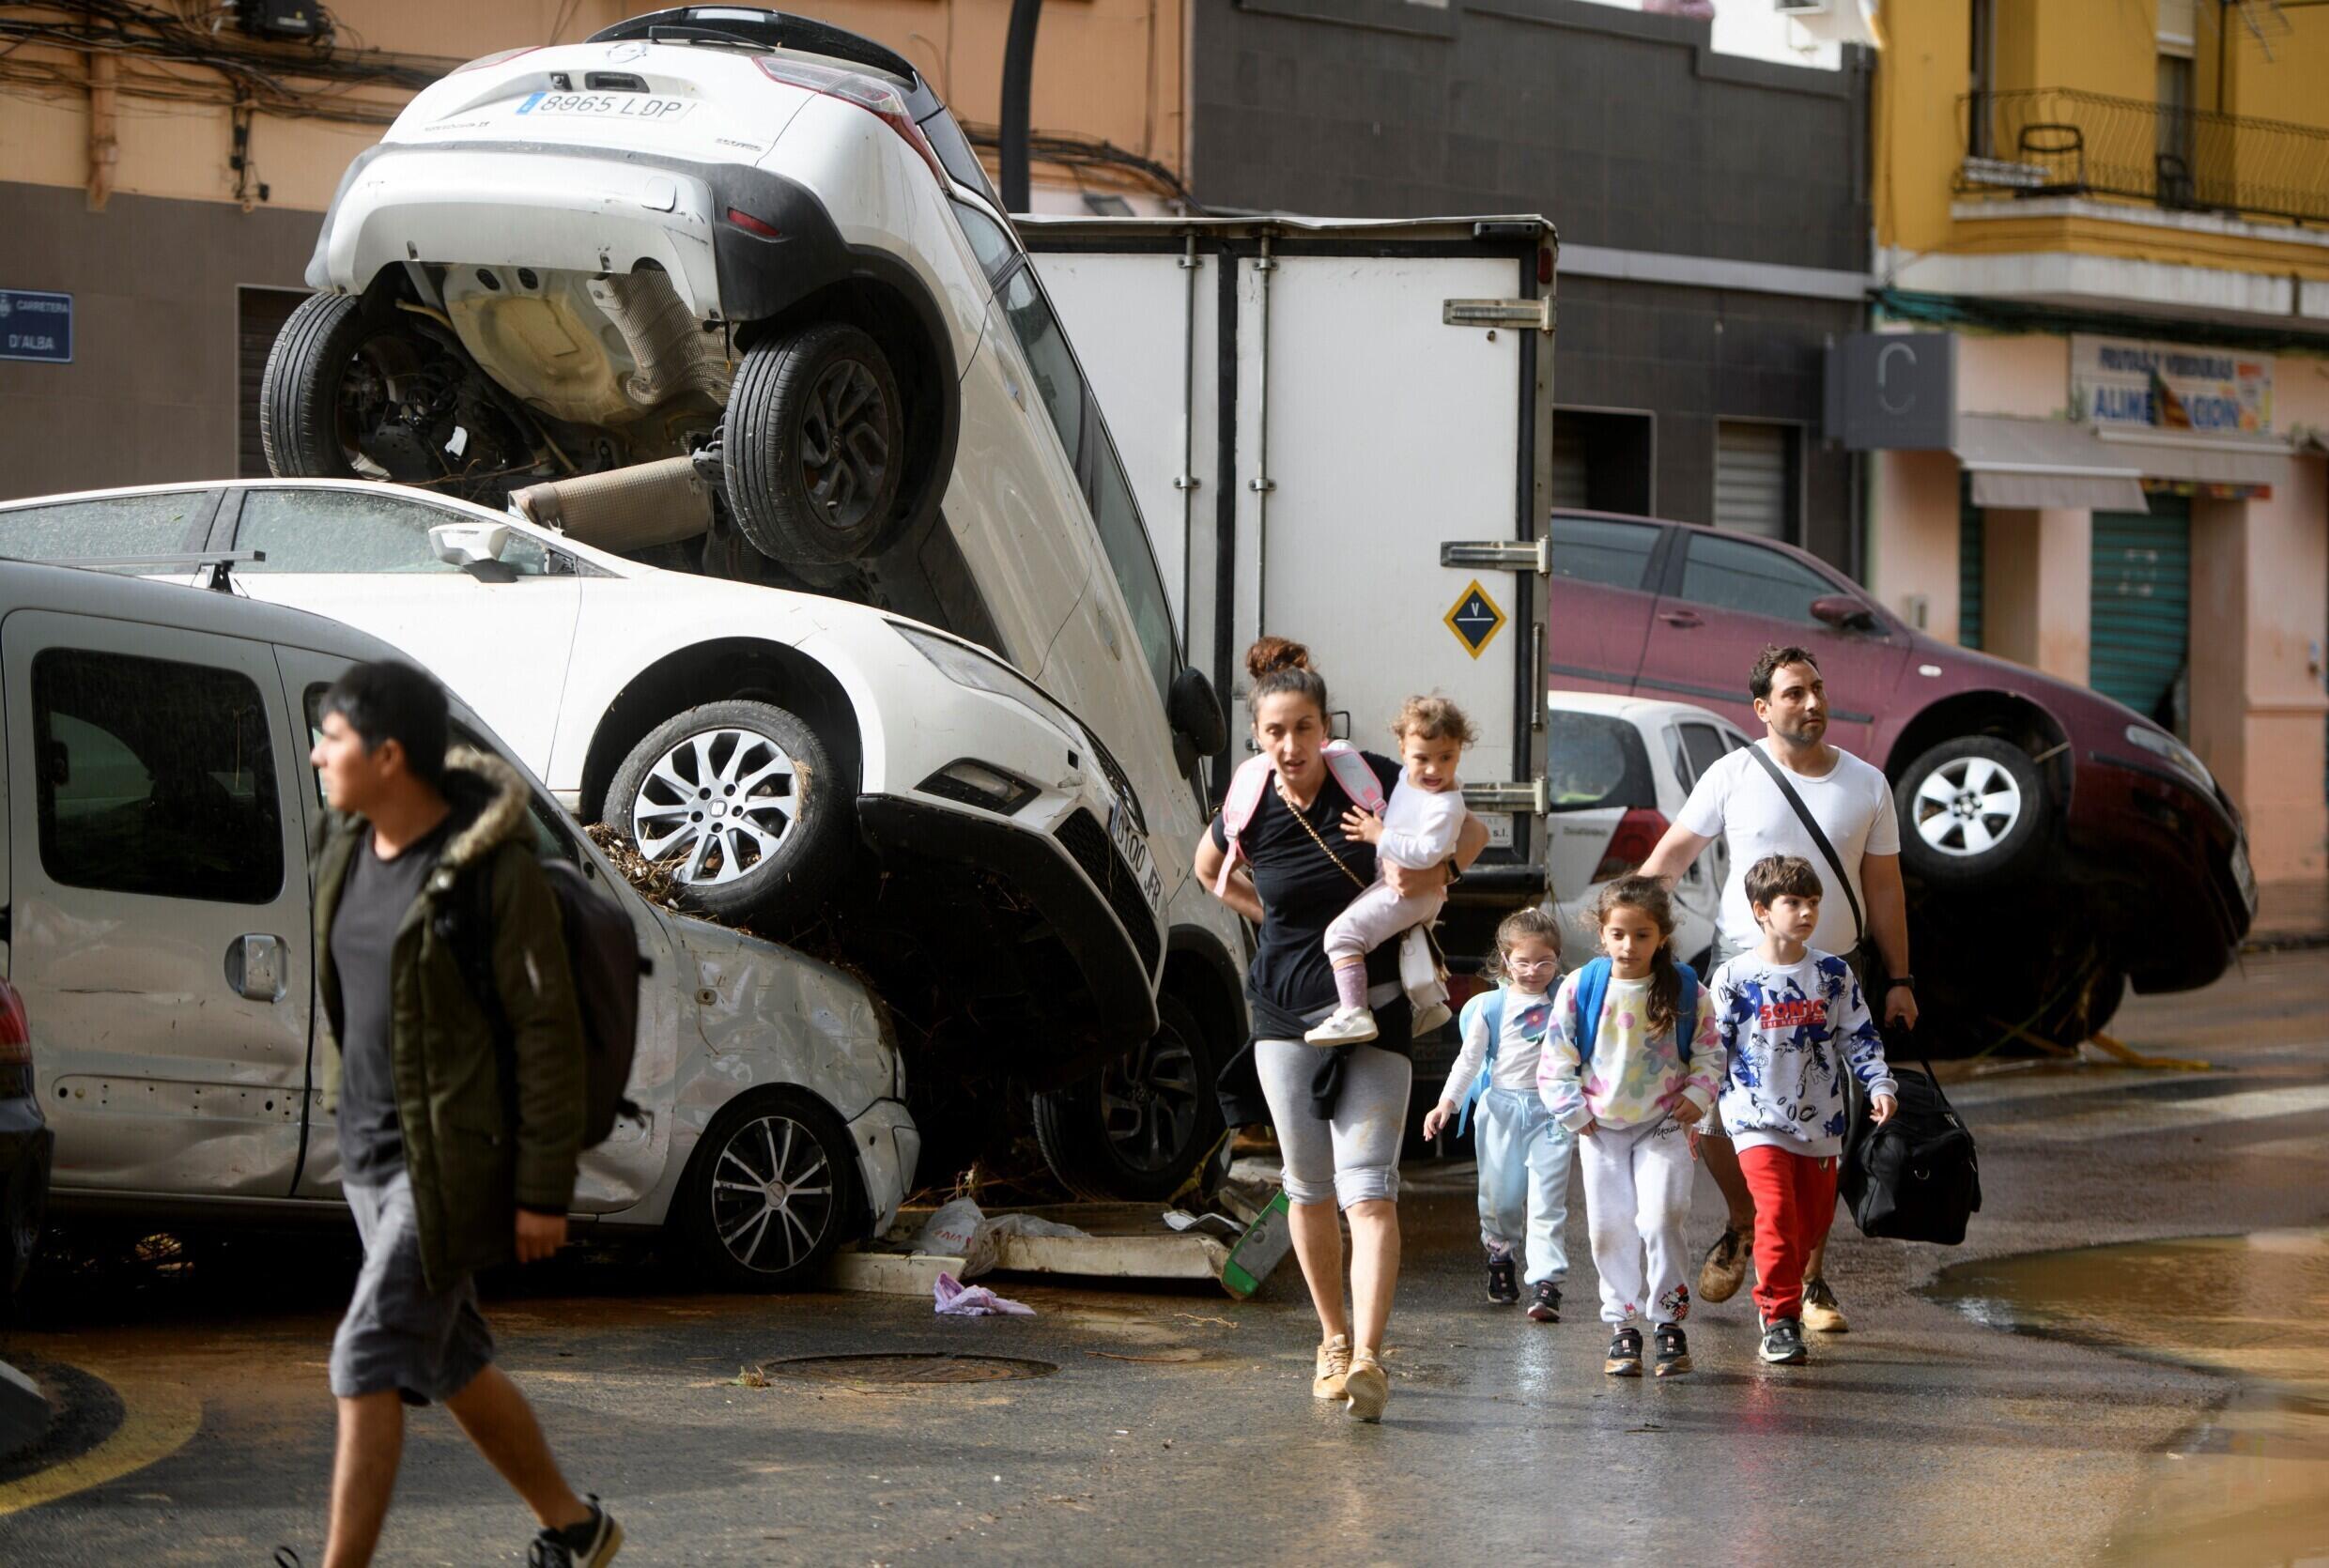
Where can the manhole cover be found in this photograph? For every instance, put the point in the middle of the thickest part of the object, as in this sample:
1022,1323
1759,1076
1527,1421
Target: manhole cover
933,1367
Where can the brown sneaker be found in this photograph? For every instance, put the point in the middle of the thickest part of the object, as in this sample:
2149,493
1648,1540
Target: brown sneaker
1725,1268
1820,1314
1333,1366
1366,1387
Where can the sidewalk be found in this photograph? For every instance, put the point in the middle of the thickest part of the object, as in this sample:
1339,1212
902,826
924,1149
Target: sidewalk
2289,915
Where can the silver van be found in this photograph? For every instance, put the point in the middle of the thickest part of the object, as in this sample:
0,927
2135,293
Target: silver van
159,803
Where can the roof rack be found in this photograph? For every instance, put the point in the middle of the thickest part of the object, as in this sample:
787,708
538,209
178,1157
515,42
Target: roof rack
225,560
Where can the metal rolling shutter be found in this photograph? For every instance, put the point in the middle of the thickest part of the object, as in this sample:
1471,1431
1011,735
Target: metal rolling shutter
1971,557
1752,479
259,314
1570,492
2139,635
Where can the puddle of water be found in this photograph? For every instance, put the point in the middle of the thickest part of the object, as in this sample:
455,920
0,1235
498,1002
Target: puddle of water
2253,1487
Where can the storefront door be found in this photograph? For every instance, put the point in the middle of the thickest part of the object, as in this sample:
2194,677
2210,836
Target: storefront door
2139,635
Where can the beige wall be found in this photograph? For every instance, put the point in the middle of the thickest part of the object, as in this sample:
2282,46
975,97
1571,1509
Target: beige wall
2028,377
1913,551
1105,69
2037,597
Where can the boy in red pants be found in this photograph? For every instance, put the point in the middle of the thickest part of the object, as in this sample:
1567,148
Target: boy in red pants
1792,1021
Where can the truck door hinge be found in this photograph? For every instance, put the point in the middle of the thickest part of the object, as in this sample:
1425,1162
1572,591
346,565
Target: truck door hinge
1500,554
1533,796
1536,315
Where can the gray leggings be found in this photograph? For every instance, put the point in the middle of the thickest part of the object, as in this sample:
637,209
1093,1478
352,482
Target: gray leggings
1353,1158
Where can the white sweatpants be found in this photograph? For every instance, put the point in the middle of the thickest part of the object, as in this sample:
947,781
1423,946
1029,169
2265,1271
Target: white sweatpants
1377,916
1524,1180
1636,1198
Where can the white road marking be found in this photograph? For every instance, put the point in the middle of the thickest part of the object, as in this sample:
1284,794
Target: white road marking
2167,1115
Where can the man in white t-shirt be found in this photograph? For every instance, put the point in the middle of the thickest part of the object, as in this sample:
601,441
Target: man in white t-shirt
1737,801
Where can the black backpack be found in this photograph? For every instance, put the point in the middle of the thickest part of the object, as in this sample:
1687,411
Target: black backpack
1916,1178
602,951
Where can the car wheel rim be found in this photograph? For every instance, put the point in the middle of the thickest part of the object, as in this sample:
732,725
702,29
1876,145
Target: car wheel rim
844,444
717,806
1967,807
1148,1104
772,1193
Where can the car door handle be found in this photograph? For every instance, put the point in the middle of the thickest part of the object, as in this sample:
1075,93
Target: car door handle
254,967
1680,618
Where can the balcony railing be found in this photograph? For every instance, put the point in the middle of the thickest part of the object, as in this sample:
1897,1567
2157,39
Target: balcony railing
2058,141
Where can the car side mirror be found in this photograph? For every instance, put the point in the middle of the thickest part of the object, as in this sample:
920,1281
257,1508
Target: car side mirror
1194,709
475,547
1844,612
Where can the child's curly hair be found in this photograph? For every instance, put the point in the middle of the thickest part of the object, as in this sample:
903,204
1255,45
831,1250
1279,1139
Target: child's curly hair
1649,895
1433,719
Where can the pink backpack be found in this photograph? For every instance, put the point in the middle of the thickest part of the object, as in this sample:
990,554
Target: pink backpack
1344,762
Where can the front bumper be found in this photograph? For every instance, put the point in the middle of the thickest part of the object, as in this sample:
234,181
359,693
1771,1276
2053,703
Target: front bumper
1085,892
890,1145
2181,855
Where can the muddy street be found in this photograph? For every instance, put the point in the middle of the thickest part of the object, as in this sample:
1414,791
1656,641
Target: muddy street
2063,1389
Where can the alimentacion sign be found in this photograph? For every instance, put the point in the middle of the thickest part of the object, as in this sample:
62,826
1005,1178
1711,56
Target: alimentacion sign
36,326
2127,383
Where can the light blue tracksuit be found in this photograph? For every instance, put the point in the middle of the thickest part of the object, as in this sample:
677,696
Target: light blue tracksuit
1523,1152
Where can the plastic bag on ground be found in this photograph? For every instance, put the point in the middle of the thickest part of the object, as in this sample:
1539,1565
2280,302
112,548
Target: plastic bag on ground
957,1300
960,1229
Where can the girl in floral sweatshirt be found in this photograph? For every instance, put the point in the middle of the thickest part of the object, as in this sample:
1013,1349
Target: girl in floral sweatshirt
1632,1063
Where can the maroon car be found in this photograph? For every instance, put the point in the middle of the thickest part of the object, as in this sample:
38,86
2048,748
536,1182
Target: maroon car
2122,858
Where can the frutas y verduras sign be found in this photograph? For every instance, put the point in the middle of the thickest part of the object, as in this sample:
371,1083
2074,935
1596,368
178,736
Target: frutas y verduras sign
2127,383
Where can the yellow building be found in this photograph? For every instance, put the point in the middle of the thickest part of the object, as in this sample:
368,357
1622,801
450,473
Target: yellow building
2113,216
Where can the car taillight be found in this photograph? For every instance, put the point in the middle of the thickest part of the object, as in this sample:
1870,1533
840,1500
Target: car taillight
1637,833
496,59
15,1029
751,225
875,97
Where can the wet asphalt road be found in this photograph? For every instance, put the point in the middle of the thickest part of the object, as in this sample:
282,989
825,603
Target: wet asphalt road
1179,1424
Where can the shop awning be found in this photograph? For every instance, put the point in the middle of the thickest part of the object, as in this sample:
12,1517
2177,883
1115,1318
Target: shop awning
2202,459
2046,463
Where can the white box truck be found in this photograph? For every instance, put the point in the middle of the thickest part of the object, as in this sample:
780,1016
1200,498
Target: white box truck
1341,431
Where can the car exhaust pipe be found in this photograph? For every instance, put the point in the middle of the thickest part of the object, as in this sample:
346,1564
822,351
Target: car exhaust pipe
624,509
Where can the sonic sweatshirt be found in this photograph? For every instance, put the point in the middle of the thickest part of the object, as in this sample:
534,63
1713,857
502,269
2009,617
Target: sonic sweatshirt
1789,1033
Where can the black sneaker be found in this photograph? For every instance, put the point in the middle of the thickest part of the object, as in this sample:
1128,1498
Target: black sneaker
1782,1342
1624,1359
1504,1280
1545,1308
588,1545
1673,1350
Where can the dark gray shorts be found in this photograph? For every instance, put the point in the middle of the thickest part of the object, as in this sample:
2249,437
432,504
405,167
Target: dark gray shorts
398,1333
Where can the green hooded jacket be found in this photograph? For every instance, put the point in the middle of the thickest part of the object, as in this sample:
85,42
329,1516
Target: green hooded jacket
485,1133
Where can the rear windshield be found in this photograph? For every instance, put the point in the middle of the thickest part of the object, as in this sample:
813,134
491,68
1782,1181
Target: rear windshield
1598,761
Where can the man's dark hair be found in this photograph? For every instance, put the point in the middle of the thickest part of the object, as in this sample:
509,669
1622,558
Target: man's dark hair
1772,656
1781,876
390,700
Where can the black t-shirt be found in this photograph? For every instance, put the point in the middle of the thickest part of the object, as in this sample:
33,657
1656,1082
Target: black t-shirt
1301,892
374,901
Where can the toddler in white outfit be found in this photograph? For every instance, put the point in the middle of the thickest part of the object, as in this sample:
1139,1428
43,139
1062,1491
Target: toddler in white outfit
1417,830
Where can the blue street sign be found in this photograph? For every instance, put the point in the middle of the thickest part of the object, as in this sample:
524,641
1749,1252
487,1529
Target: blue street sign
36,326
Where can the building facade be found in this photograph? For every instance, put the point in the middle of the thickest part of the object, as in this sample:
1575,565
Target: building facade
1713,214
2107,226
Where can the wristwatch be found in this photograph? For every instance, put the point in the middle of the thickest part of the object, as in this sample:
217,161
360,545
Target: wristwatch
1899,980
1455,872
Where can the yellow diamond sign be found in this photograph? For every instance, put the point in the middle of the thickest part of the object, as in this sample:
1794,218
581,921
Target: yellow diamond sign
1475,620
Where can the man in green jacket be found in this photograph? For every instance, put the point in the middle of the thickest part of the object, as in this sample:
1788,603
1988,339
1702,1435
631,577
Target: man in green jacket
457,1149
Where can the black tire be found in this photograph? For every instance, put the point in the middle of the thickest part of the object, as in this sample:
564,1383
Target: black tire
1973,812
300,429
781,1244
815,446
781,875
1134,1131
23,1207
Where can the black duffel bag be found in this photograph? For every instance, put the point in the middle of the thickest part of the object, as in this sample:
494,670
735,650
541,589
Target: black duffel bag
1916,1178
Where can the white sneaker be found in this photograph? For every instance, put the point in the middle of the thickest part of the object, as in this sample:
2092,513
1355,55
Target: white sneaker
1431,1017
1345,1026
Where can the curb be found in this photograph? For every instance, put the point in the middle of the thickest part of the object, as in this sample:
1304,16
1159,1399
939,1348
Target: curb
2286,942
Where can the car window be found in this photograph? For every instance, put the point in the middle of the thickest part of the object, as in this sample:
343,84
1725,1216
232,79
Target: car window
356,531
1123,537
955,155
1596,760
1724,572
155,777
1593,549
993,247
1705,745
1679,755
157,524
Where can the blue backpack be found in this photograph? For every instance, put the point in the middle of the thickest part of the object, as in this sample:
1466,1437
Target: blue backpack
1593,986
1489,1005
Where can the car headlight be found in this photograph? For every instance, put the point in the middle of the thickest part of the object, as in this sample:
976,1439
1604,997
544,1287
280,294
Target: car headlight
2165,746
967,667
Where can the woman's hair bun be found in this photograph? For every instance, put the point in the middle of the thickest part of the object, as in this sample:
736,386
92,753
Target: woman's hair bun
1270,655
